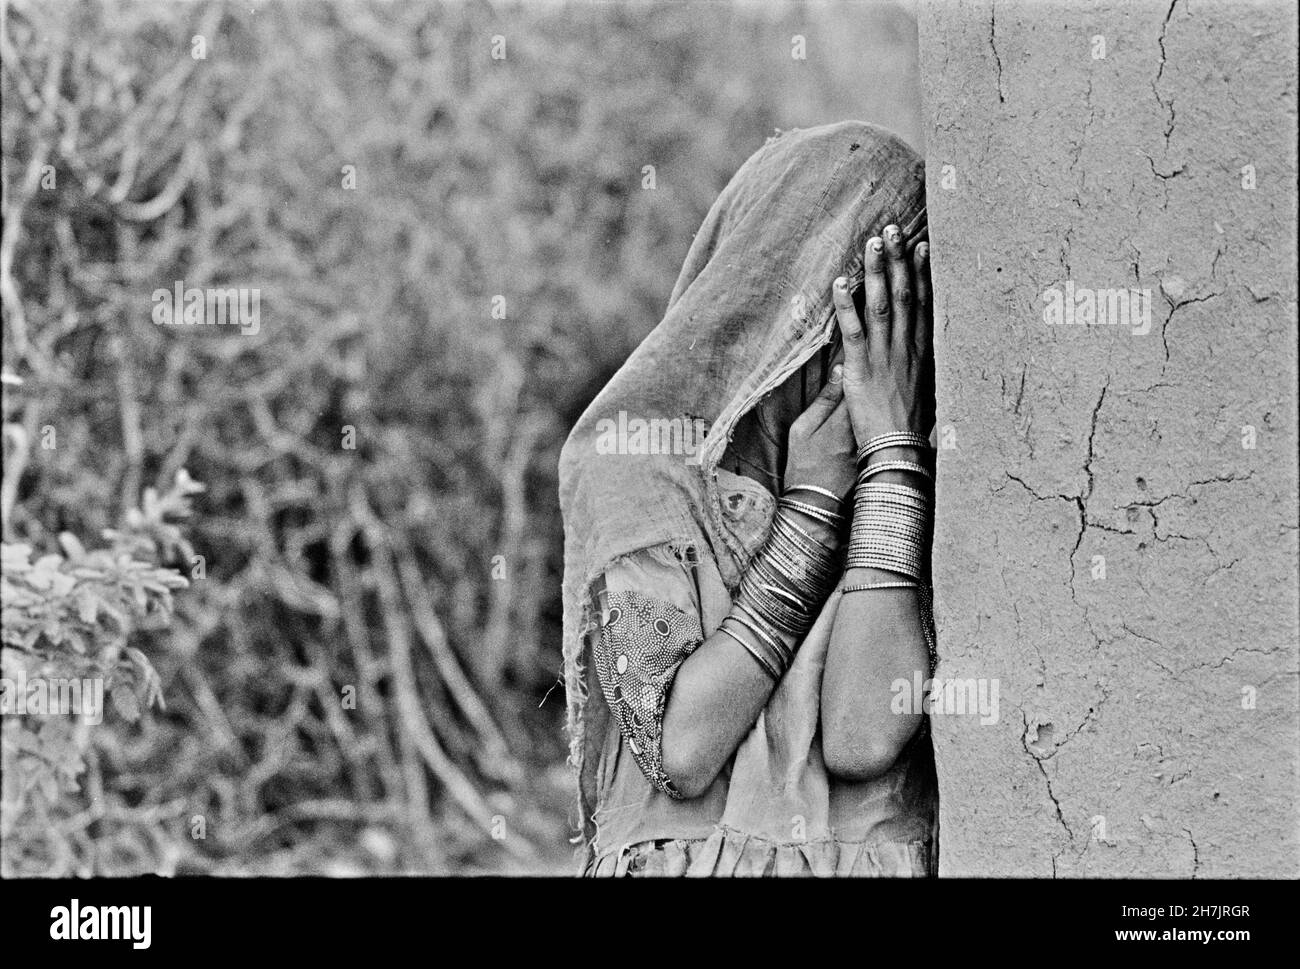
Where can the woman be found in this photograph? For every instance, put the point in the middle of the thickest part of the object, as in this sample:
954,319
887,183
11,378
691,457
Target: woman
735,615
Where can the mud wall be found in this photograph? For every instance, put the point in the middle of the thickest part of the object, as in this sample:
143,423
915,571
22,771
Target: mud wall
1112,210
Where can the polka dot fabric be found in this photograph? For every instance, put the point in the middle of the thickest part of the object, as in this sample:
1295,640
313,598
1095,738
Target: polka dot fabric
642,643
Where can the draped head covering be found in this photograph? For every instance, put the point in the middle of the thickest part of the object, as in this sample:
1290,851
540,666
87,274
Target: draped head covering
752,304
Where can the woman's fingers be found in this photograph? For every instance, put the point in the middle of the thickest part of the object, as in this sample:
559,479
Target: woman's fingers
840,422
902,296
924,326
836,437
854,337
823,404
876,288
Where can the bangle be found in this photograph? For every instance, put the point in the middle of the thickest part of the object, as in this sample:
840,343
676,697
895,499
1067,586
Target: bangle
891,527
807,543
892,439
873,469
768,637
886,500
868,586
763,661
785,585
832,518
898,490
778,608
814,489
885,563
798,561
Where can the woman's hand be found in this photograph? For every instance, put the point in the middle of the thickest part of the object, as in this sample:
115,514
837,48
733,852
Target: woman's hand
821,449
889,364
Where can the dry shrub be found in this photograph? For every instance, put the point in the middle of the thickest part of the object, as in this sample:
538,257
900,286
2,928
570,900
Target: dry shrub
363,674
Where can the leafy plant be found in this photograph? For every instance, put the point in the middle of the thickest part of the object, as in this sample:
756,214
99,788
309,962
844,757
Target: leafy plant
74,616
419,572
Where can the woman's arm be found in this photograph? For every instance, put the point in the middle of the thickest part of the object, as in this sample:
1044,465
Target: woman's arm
684,702
716,697
710,693
720,689
878,635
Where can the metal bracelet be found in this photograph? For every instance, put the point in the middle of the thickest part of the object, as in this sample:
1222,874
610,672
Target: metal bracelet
893,489
767,636
816,490
763,661
911,466
892,439
869,586
832,518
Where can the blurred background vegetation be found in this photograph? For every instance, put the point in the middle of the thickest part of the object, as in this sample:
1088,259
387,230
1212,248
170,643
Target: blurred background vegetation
418,570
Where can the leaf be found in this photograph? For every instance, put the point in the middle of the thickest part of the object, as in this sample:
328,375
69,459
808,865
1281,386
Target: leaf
78,640
126,703
87,607
48,563
15,558
71,546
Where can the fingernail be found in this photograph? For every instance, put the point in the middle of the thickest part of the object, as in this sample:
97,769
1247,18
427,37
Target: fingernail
841,283
874,244
892,233
923,250
837,373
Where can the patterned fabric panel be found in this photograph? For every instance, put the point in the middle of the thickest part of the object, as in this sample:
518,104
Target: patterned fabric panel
642,643
926,594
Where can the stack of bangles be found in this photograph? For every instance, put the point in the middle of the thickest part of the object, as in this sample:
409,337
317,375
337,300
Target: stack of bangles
787,582
891,522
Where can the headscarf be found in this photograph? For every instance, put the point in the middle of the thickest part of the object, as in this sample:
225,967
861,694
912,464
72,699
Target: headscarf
752,304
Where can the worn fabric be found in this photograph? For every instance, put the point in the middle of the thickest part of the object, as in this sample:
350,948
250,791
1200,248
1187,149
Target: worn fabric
775,809
750,308
760,440
643,639
737,854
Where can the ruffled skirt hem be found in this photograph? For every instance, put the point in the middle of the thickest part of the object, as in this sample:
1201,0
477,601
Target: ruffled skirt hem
728,853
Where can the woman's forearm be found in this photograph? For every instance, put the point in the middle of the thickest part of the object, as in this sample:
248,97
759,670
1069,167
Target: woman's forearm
716,697
720,689
877,639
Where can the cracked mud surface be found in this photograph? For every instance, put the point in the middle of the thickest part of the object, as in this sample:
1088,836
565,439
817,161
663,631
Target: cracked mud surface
1106,546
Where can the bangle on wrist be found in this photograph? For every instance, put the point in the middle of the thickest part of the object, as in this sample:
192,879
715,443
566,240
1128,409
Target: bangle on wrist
891,528
872,469
817,490
892,439
784,586
869,586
